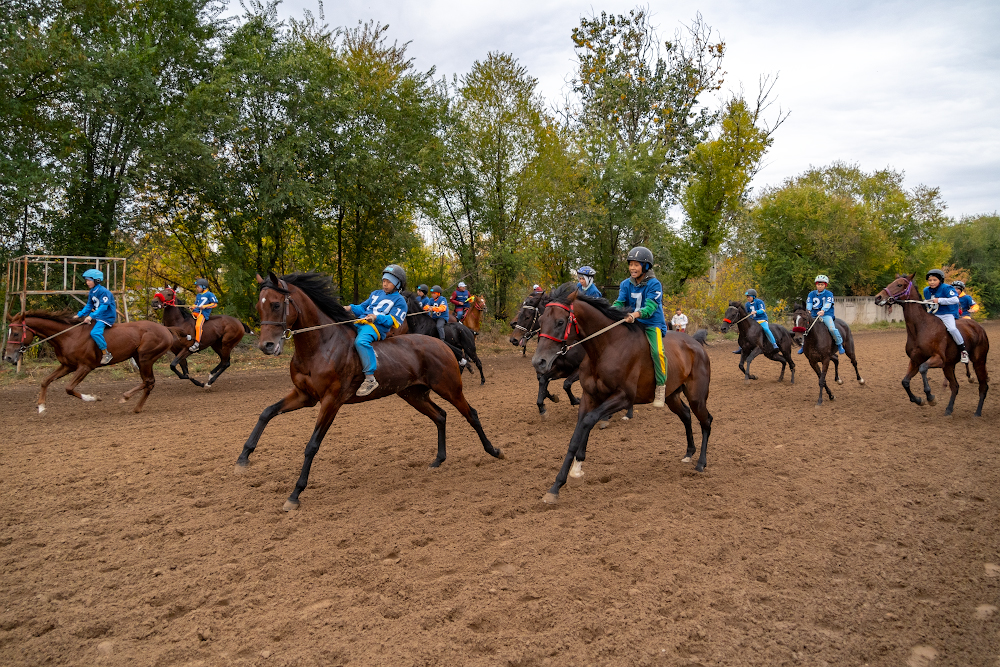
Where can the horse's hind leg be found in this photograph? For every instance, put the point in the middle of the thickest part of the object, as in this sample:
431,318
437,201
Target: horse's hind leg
949,372
697,395
568,387
677,406
148,382
214,374
452,392
54,375
327,411
836,369
293,401
419,397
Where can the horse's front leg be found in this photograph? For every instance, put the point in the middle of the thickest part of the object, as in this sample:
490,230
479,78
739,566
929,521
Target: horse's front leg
949,372
54,375
927,385
577,451
836,369
568,387
753,355
910,372
543,393
77,378
295,400
327,411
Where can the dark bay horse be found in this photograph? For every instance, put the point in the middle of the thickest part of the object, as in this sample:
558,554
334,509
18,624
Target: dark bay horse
459,338
326,369
618,372
753,341
929,345
143,341
222,333
820,348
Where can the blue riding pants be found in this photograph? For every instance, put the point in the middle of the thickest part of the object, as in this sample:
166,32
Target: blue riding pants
828,321
363,343
767,332
97,333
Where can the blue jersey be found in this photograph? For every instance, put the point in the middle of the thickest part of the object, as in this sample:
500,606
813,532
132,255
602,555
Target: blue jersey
965,304
758,306
424,301
389,309
100,305
947,299
591,291
460,298
817,301
203,300
635,297
438,302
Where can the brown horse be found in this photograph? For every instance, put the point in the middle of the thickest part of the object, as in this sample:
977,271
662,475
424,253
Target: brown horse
473,314
326,369
753,341
222,333
618,372
75,349
820,348
929,345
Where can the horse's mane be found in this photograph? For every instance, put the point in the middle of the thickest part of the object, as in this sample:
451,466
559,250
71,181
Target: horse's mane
318,287
740,308
412,305
63,316
562,293
798,305
185,312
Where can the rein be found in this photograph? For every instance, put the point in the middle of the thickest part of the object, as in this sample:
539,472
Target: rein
573,321
25,328
929,306
737,321
288,333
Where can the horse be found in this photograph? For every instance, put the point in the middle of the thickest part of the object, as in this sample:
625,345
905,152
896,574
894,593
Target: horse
326,369
929,345
222,333
753,341
473,314
460,339
566,366
820,347
143,341
618,372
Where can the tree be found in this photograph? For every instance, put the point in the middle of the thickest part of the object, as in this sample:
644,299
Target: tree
975,243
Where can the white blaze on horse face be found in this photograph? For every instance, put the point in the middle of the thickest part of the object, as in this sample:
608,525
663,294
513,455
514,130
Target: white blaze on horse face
263,300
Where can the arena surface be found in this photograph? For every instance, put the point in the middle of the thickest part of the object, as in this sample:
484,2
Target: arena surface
861,532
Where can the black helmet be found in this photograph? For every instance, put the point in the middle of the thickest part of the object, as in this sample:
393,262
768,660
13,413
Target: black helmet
958,284
201,282
936,272
751,292
436,288
396,275
422,287
643,255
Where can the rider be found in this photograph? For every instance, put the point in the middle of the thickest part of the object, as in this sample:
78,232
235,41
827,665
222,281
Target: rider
820,304
438,307
945,296
100,310
460,297
536,289
757,310
966,305
679,321
642,292
203,305
383,310
422,297
585,282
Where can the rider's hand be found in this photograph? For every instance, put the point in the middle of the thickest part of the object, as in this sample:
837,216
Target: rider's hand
87,320
370,317
935,299
348,309
821,313
633,316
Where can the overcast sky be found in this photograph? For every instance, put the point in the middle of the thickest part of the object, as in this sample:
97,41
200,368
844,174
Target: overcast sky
914,86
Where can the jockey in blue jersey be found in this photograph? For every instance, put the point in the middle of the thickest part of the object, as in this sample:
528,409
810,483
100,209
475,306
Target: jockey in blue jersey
946,297
384,309
966,304
585,282
758,311
203,305
643,294
100,310
422,297
820,304
438,307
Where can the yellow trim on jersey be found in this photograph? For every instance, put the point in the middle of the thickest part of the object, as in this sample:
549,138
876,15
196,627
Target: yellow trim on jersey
378,336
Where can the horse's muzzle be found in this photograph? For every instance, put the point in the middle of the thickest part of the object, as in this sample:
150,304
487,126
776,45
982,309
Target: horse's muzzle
12,358
542,364
271,347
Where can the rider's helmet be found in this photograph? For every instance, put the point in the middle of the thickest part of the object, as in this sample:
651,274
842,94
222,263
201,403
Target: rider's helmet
959,285
751,292
94,275
536,287
436,288
396,275
201,282
422,287
822,278
643,255
461,285
586,271
936,272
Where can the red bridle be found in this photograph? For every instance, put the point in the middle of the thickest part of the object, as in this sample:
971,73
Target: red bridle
163,299
24,332
571,322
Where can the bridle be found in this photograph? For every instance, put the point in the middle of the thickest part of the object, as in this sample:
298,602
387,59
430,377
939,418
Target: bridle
891,299
164,301
570,324
286,333
530,330
24,334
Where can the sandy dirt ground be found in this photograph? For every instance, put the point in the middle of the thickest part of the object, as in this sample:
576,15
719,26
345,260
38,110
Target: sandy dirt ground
863,532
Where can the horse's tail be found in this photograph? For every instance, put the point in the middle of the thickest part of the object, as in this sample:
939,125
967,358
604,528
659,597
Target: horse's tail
701,335
246,329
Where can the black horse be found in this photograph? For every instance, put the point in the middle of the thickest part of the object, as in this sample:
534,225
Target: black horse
820,348
753,341
458,337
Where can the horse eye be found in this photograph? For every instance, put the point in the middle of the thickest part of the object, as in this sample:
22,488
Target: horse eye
560,321
274,306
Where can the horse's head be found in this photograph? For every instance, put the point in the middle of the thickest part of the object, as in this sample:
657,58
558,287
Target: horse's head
801,320
526,321
733,314
479,303
19,336
163,298
899,288
556,325
277,314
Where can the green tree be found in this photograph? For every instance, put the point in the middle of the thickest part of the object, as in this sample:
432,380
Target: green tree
975,243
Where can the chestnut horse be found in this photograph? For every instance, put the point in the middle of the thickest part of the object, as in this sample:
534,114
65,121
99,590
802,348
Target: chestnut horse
326,369
75,349
473,314
753,341
929,345
820,348
618,372
222,333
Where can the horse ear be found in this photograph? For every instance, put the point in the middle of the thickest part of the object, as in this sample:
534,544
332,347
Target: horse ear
273,278
260,281
910,277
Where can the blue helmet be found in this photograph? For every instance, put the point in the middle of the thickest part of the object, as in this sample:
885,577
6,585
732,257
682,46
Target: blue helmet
586,271
93,274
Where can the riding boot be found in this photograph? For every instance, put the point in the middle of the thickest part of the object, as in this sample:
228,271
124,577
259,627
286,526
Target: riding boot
660,399
840,349
738,351
801,349
106,359
965,355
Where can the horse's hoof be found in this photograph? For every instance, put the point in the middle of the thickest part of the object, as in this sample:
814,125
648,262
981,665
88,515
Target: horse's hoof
700,467
240,468
208,386
550,498
625,418
576,473
603,425
839,381
41,409
499,453
931,401
290,505
686,459
861,382
947,413
122,400
543,416
435,464
554,399
89,398
919,401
